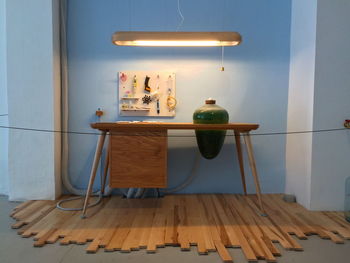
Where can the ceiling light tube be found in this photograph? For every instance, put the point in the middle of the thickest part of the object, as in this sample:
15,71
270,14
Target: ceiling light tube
176,39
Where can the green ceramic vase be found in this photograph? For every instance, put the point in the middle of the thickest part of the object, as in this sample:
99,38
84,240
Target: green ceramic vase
210,142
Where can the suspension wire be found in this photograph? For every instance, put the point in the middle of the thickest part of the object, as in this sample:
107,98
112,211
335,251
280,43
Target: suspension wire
47,131
129,7
175,136
3,115
181,15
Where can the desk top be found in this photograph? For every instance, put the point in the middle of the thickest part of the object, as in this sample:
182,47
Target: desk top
107,126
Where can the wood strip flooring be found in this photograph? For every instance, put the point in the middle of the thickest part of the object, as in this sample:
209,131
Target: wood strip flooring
209,222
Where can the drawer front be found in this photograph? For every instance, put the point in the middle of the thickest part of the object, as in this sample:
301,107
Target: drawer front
138,159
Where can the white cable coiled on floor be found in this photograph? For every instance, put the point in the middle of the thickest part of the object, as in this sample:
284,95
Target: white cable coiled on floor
64,121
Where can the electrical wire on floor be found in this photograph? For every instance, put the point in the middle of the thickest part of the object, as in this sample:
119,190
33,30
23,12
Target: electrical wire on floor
99,114
139,193
59,203
99,199
98,194
95,194
192,175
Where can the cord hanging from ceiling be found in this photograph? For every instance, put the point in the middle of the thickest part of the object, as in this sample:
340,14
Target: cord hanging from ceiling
222,58
181,15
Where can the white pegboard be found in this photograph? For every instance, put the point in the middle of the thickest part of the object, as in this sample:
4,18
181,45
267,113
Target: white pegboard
163,88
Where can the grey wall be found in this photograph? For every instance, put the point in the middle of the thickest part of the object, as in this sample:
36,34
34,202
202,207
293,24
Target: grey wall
318,163
331,151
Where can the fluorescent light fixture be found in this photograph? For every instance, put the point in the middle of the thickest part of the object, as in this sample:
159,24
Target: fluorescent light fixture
176,39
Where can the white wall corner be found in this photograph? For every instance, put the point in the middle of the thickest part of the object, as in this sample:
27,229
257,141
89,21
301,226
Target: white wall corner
33,80
331,150
4,184
301,100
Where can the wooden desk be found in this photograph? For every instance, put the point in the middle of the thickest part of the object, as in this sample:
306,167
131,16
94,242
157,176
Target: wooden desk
152,129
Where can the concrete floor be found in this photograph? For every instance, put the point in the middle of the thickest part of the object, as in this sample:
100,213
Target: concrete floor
14,249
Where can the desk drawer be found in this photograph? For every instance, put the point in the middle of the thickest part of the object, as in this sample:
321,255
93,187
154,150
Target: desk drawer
138,159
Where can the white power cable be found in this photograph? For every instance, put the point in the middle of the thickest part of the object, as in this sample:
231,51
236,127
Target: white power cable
59,204
222,58
139,193
64,104
193,174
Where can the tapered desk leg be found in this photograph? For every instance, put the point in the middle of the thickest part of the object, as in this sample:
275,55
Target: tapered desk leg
248,143
240,159
100,142
105,171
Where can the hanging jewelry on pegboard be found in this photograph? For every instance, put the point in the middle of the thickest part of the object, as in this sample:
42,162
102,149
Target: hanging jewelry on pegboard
170,101
147,93
147,99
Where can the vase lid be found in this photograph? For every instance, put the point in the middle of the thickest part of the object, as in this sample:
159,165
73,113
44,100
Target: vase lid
210,101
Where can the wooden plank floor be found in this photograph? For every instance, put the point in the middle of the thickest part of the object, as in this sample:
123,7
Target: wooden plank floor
209,222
